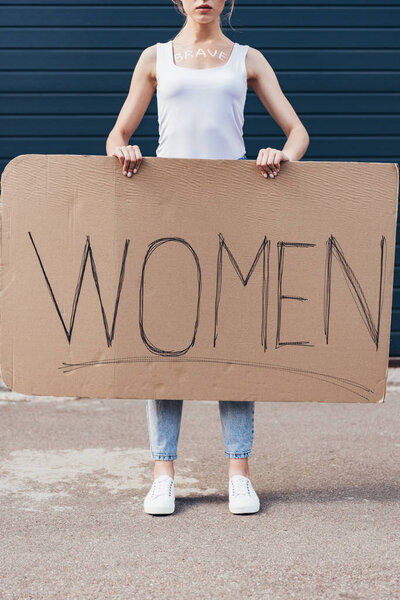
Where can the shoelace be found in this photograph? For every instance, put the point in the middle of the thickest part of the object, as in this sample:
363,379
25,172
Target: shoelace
163,486
241,487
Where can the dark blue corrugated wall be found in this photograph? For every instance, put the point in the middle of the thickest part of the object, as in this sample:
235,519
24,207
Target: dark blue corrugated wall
66,68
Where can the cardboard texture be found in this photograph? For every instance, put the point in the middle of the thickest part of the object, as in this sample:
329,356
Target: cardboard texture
197,279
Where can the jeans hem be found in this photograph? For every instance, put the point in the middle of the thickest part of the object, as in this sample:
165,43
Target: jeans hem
156,456
238,454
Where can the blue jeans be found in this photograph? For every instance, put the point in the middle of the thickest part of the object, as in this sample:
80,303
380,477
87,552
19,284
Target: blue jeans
164,422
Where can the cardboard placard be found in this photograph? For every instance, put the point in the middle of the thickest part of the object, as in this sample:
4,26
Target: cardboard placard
197,279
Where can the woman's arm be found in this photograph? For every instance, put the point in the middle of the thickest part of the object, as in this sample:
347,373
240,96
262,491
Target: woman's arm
262,79
142,87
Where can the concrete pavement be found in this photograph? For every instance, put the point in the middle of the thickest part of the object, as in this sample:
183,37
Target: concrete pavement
73,474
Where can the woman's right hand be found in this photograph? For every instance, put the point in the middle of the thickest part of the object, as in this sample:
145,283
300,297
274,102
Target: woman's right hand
130,158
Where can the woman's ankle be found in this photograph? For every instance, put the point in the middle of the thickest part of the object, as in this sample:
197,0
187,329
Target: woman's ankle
164,467
239,466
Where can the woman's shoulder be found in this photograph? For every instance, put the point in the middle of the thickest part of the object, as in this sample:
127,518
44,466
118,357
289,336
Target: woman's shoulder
255,62
146,63
149,53
253,52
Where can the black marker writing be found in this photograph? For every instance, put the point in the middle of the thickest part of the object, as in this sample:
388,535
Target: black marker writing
281,247
148,344
264,287
87,252
333,247
350,385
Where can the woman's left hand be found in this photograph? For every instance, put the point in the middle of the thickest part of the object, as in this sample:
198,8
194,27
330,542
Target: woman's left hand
269,160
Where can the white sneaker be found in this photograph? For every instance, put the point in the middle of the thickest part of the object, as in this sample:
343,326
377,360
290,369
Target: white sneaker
160,499
242,496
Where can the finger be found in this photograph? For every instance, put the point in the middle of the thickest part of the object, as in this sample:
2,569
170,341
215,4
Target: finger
260,159
266,162
118,153
127,160
280,157
259,156
283,158
132,159
139,158
272,162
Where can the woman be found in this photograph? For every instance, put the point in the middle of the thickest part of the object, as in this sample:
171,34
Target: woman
201,79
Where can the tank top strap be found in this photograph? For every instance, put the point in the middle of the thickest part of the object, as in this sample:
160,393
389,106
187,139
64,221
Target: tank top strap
163,59
239,56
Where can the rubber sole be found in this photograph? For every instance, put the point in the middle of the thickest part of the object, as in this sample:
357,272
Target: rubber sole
243,511
159,512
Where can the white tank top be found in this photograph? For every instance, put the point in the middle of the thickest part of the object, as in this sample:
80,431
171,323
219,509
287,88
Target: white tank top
200,111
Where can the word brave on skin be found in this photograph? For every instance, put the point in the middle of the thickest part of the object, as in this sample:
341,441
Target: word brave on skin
333,249
178,56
